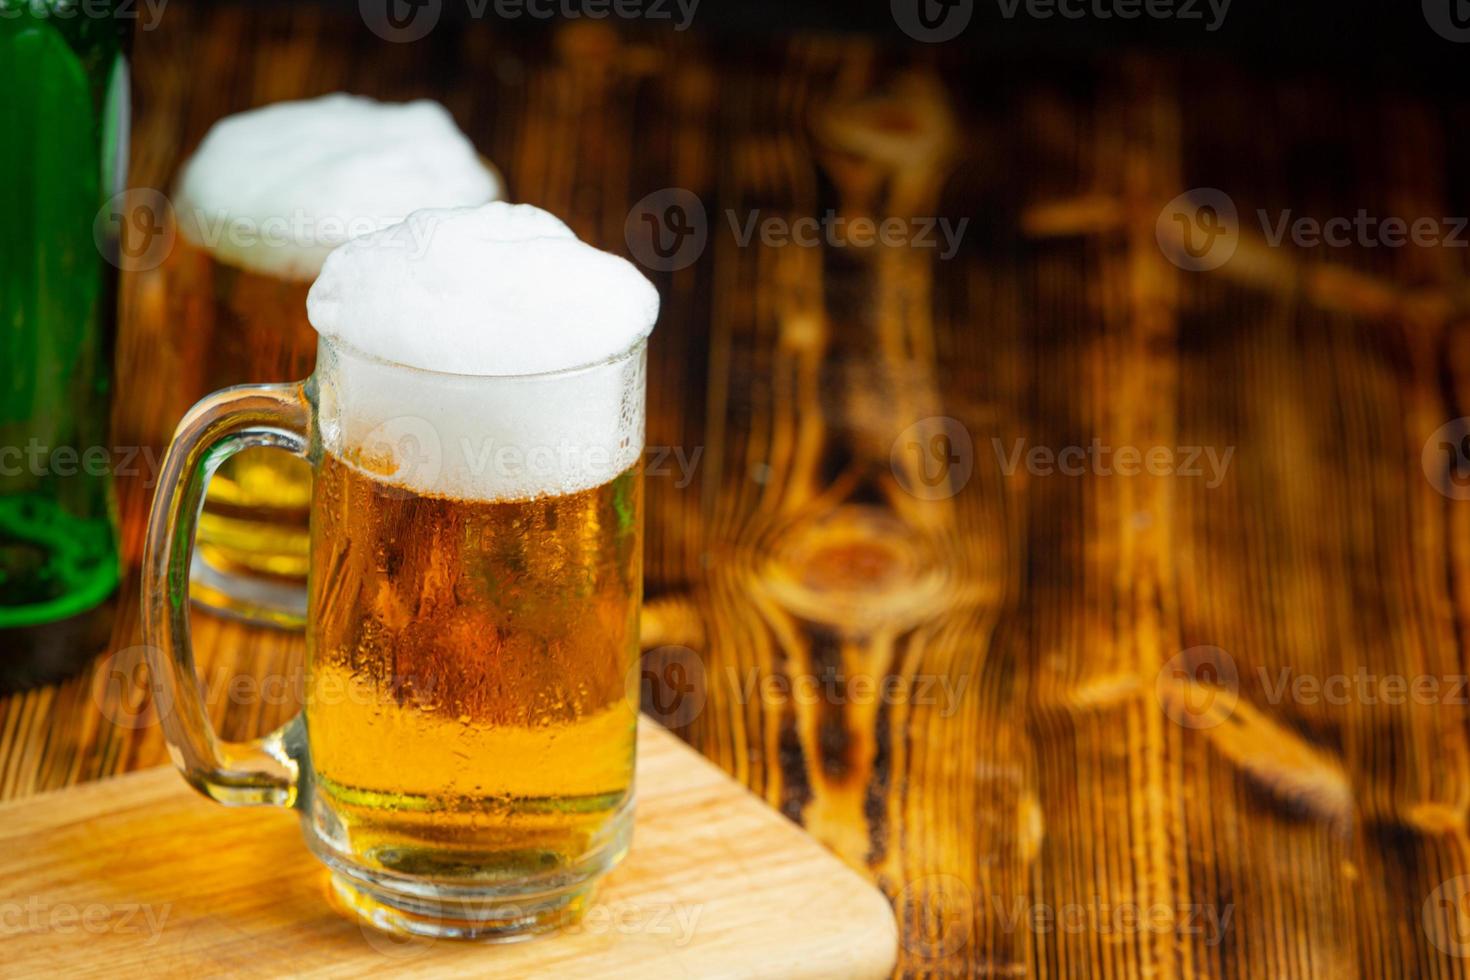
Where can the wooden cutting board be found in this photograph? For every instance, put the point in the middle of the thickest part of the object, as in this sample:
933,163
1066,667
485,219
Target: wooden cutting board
140,876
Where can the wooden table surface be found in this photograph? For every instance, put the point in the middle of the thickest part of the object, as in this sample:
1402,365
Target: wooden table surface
1208,719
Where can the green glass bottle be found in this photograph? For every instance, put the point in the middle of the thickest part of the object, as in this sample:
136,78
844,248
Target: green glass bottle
63,69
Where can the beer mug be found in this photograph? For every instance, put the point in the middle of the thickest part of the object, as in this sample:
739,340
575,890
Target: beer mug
259,206
463,760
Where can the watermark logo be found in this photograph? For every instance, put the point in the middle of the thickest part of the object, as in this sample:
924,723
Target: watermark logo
675,922
936,916
668,683
395,945
1199,230
932,21
1198,687
667,230
1446,459
124,691
1446,916
671,684
1450,19
400,21
934,458
135,229
405,451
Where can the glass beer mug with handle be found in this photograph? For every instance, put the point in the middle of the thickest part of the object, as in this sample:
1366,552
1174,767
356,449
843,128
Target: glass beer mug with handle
463,762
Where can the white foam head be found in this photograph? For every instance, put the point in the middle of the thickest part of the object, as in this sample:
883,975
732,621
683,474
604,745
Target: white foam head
490,352
275,189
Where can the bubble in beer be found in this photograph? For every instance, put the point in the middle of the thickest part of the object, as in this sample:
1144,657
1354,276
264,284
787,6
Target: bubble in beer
275,189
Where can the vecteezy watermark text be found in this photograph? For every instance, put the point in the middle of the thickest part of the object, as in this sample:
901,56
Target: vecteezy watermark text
938,914
1210,12
1099,459
1363,686
838,688
669,229
1104,918
407,450
937,21
40,459
835,231
1199,230
136,230
1200,687
1362,230
146,12
404,21
671,683
36,916
511,460
676,921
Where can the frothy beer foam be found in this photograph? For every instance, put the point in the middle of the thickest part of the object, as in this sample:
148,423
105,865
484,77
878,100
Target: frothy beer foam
275,189
513,324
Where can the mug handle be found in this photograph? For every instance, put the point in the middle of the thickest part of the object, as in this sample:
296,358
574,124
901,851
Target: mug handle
260,772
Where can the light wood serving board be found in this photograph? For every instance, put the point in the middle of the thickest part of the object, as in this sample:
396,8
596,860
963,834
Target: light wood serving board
138,875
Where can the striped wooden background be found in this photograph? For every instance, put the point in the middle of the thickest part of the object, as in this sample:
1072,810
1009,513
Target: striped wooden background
1116,784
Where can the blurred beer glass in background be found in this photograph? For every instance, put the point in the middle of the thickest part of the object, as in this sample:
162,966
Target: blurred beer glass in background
464,759
63,150
264,198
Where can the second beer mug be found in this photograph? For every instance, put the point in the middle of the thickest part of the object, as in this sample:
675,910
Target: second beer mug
267,195
464,759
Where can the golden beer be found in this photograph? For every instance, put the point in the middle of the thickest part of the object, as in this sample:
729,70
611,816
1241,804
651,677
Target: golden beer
467,701
234,326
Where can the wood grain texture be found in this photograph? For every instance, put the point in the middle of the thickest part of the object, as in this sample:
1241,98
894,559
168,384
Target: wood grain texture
140,874
1087,764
